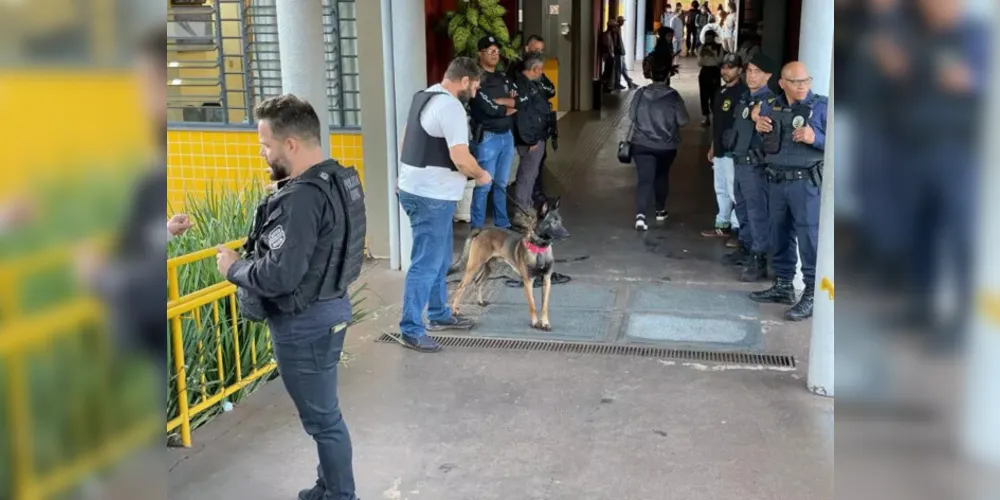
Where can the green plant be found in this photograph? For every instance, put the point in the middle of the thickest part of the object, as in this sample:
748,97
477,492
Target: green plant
475,19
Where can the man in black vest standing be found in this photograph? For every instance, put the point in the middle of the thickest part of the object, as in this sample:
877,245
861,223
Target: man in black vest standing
306,308
435,164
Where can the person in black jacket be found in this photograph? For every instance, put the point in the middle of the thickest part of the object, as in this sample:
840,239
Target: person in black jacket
657,114
531,130
491,110
536,45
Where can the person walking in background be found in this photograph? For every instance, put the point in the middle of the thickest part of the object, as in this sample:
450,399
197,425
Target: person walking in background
691,28
620,54
657,114
672,19
702,17
609,75
710,60
729,21
491,111
434,166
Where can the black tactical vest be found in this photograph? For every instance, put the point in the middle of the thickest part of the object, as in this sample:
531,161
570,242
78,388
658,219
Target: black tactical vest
342,187
420,149
781,151
743,139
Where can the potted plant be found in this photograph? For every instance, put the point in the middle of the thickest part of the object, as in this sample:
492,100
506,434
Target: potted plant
475,19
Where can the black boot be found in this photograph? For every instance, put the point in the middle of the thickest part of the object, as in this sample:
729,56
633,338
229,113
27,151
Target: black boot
782,292
755,269
739,257
804,309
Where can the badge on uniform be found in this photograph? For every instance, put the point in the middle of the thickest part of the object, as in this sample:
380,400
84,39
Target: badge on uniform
727,104
798,121
276,238
746,113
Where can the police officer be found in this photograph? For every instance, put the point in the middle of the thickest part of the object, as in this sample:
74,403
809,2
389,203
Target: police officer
794,129
750,182
306,247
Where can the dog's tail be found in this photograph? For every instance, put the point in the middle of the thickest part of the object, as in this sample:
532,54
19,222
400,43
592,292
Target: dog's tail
459,264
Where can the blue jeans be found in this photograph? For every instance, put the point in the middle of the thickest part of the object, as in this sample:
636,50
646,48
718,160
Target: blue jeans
308,369
430,258
495,154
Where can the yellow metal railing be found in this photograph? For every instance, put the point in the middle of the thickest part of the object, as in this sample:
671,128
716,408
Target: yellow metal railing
18,339
188,306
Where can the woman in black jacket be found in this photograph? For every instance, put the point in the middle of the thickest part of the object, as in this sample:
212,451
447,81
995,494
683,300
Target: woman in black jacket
657,113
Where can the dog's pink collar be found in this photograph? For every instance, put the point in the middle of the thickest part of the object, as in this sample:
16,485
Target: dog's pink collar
533,248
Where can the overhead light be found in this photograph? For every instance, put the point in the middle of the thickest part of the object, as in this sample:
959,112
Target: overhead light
173,64
176,81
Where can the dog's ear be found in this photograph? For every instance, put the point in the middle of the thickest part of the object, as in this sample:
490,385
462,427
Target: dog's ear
554,204
543,209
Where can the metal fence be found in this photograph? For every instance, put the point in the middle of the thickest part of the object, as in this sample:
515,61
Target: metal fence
224,58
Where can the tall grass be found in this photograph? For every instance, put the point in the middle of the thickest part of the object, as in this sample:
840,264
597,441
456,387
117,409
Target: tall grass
220,216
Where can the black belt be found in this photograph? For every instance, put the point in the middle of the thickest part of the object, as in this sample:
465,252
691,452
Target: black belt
779,175
746,160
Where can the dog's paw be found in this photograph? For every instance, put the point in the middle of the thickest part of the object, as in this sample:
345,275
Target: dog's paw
542,327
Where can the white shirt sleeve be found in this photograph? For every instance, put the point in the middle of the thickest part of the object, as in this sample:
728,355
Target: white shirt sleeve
454,122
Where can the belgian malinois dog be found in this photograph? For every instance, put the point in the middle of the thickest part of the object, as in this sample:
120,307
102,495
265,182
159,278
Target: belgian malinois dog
529,254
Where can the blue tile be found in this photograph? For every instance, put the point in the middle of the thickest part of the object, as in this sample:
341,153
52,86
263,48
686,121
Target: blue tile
512,321
701,332
570,295
692,301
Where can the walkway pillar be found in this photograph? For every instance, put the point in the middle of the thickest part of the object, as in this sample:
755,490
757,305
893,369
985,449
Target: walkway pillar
821,347
816,42
628,33
980,439
640,31
303,61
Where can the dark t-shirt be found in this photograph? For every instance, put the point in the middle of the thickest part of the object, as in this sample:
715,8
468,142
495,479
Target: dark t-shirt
722,114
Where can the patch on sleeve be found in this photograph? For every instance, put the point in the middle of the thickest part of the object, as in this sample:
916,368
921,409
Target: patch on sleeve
276,238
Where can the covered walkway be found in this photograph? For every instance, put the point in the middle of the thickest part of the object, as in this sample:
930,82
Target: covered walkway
483,425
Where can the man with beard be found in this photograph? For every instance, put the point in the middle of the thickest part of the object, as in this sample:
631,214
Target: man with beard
305,254
723,103
435,164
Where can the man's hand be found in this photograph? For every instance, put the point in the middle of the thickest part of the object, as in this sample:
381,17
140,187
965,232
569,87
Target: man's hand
15,213
804,135
534,147
511,111
755,112
505,101
225,259
764,125
711,153
513,93
179,224
484,179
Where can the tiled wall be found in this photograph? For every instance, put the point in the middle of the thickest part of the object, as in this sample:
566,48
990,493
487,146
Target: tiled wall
201,160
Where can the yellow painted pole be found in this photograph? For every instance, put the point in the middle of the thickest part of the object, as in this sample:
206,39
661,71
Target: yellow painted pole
20,430
182,395
218,346
236,337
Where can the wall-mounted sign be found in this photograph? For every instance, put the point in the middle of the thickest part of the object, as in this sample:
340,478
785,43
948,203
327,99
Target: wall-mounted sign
554,10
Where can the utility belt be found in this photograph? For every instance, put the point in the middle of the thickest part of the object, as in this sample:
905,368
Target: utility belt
779,175
753,157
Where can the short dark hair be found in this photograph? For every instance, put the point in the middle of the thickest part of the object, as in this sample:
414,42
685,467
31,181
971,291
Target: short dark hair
289,115
533,38
531,60
463,67
661,66
154,46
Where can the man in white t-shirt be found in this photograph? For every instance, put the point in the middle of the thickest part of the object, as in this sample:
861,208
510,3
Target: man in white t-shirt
435,164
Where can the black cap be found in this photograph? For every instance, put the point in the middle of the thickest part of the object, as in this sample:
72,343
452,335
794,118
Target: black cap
733,60
487,42
766,64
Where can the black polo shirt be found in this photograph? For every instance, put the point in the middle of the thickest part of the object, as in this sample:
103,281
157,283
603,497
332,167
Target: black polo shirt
722,113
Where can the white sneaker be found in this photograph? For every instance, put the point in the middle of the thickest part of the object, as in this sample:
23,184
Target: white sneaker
640,223
661,215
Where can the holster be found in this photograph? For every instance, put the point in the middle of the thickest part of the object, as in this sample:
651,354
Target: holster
816,174
477,134
772,140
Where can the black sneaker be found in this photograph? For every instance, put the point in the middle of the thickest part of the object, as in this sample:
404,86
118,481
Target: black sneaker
422,343
317,492
661,215
453,323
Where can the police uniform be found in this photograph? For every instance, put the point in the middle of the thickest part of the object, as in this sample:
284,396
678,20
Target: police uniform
751,187
794,173
305,248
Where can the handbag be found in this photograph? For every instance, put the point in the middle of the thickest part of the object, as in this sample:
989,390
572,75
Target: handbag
625,145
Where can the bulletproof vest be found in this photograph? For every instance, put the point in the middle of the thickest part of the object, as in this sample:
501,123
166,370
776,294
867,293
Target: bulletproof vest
342,187
779,148
743,140
420,149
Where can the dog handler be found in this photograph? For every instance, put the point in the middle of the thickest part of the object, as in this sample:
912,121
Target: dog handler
435,164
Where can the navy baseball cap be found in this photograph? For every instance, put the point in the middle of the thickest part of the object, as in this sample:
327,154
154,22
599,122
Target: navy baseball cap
733,60
487,42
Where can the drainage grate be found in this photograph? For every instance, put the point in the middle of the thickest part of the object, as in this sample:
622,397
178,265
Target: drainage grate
736,358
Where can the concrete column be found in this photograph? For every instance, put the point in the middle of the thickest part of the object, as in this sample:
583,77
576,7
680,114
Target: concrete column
816,42
628,33
303,63
821,346
980,439
640,30
584,52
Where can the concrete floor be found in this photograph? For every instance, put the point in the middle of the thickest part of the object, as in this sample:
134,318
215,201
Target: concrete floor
469,425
